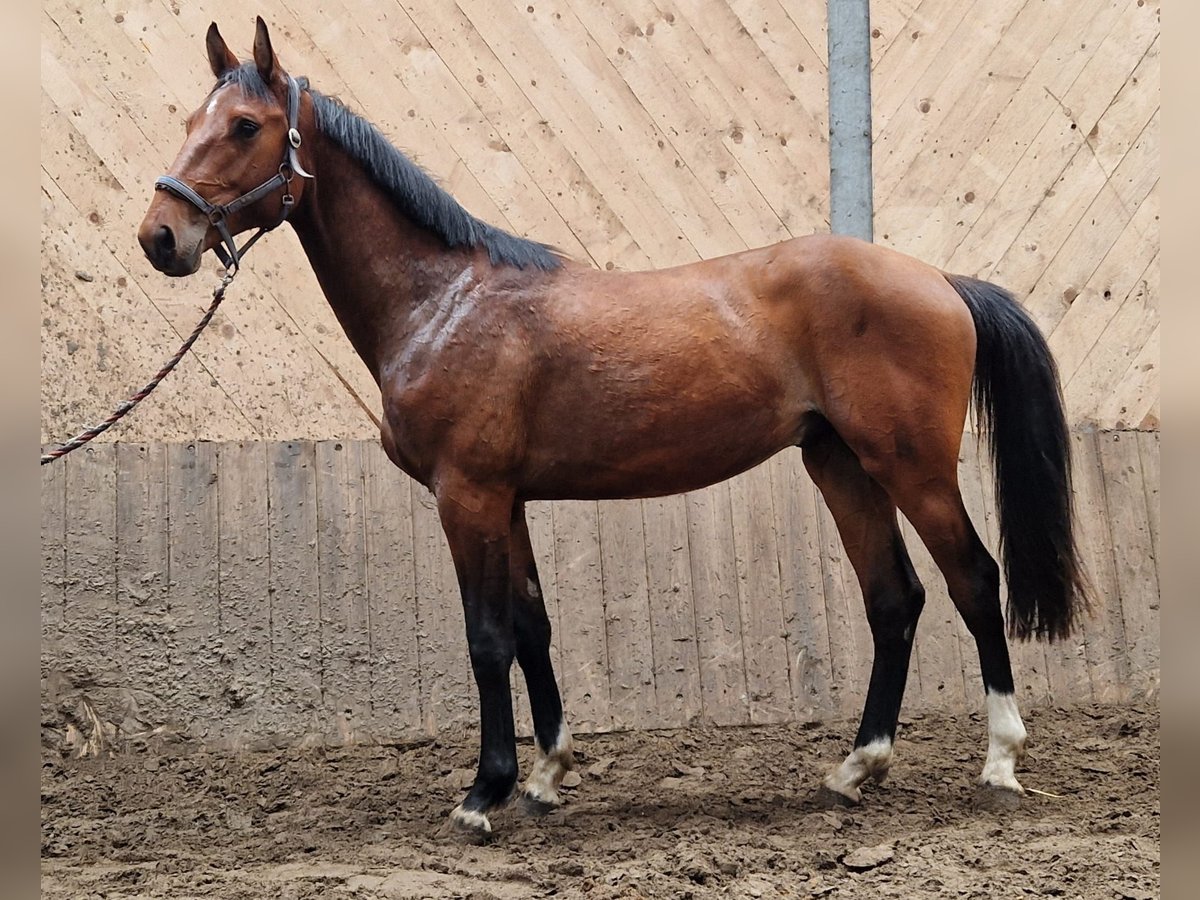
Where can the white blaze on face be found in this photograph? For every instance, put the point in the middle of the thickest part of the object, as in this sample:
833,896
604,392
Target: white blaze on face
869,761
1006,742
549,769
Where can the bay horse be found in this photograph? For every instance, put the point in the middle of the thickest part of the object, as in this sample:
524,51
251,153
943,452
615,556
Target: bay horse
509,372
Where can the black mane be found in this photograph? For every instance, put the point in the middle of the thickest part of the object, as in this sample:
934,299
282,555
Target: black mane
415,193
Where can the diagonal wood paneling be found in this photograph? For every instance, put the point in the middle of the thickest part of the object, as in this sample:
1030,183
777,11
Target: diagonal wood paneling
1024,149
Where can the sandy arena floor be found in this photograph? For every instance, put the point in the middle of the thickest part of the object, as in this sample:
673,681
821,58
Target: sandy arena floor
704,812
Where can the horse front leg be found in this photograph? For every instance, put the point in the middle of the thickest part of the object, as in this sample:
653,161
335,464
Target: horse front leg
476,521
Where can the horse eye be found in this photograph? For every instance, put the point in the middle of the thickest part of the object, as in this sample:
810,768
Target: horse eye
246,128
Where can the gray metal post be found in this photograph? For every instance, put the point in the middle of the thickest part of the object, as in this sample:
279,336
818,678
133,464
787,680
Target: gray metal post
851,204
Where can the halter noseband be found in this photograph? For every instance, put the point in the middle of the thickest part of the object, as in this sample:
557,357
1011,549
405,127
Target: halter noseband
231,255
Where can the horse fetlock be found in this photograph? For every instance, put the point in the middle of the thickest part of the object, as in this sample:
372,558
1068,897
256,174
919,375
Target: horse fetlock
550,768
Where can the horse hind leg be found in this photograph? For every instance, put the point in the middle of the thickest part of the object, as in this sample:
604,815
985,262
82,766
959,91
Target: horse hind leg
929,496
893,595
531,626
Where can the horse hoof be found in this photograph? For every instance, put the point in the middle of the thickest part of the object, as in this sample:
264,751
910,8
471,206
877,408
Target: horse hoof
996,798
537,806
827,798
470,826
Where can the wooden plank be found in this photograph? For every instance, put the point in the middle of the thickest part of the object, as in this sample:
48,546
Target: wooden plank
718,616
560,94
585,660
1104,380
294,590
756,554
244,573
194,596
631,690
54,573
594,214
1028,657
672,616
980,96
1105,292
1149,455
89,615
144,619
1090,240
680,112
346,653
448,694
396,674
802,586
1103,629
1137,575
1137,391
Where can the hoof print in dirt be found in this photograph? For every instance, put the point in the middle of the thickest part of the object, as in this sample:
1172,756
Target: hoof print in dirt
827,798
990,798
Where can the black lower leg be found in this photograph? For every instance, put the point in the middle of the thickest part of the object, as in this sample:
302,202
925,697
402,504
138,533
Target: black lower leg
980,609
531,627
893,612
497,773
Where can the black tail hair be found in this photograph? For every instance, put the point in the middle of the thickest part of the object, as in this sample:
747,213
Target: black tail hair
1019,405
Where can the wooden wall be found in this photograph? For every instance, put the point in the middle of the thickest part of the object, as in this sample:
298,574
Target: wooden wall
1019,141
253,592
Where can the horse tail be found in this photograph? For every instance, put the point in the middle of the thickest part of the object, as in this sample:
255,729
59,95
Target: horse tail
1019,406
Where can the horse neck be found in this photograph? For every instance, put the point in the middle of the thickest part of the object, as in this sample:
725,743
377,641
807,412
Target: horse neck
374,265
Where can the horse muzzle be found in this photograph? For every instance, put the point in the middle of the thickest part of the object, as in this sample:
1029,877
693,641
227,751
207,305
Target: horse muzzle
172,251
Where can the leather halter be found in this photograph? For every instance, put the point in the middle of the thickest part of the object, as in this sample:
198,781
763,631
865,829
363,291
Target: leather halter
230,254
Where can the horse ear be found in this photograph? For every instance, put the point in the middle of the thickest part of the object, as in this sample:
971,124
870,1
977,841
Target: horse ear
220,58
264,56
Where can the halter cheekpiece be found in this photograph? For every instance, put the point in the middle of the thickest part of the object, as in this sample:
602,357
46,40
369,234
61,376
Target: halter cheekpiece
230,254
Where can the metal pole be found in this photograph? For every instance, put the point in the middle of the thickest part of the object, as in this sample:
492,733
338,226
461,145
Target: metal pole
851,204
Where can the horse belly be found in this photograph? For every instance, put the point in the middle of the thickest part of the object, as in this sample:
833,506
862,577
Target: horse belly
610,451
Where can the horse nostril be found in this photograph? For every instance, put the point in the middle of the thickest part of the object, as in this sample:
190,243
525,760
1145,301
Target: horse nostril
164,243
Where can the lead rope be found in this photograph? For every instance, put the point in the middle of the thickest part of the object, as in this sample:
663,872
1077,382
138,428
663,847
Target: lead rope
121,411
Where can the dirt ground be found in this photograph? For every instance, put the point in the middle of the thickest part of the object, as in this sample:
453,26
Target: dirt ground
705,812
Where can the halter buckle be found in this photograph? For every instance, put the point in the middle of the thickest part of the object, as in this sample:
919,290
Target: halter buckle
216,215
293,137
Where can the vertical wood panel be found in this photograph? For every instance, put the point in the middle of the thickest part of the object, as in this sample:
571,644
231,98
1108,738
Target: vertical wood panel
396,672
1137,576
144,623
345,614
54,574
672,613
1103,629
194,590
718,617
756,551
585,664
294,588
244,573
628,636
802,585
89,614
